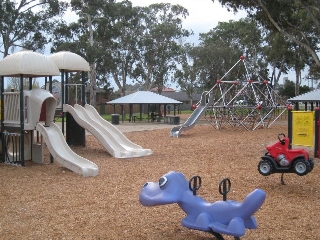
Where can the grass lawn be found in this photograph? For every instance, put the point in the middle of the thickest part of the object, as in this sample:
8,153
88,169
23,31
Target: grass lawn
144,116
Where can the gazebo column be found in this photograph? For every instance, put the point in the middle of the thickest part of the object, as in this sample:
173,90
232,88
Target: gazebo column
130,113
122,112
140,110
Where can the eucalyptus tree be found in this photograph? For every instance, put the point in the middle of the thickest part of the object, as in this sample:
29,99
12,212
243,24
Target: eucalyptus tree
159,44
118,55
28,24
90,12
82,36
278,54
283,54
296,20
188,74
221,48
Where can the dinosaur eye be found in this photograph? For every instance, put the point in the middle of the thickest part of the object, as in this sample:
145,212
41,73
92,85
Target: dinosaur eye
162,181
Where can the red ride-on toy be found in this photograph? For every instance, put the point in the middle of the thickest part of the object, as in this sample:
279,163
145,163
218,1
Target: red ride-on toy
280,159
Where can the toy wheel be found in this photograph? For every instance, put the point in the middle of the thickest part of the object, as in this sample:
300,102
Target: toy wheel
301,167
311,164
265,167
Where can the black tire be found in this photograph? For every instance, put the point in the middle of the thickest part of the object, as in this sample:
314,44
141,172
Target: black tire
301,167
311,164
265,167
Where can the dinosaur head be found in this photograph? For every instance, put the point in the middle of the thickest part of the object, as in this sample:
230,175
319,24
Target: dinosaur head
167,190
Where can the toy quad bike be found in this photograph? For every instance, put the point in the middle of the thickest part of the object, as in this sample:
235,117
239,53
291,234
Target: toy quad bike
280,159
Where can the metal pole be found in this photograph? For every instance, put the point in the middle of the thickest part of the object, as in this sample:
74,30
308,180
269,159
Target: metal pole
21,121
290,127
2,116
83,91
62,100
317,133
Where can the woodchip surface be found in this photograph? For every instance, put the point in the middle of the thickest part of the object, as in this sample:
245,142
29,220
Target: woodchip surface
47,201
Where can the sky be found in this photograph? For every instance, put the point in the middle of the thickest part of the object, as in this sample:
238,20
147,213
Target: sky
204,15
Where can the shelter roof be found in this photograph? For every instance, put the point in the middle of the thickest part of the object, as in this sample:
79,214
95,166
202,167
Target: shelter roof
144,97
28,64
313,96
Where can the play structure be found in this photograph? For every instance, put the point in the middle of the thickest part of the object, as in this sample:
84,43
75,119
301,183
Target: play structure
221,217
113,141
27,117
279,158
249,103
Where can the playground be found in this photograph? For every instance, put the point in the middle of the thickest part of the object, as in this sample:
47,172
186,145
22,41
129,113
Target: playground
48,201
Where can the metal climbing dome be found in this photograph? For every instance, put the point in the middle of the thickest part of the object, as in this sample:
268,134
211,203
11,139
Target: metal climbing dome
249,103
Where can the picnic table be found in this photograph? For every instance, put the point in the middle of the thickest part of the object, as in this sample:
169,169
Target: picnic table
134,117
155,116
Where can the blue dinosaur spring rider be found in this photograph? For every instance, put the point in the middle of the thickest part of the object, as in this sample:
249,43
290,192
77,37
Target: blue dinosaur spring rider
221,217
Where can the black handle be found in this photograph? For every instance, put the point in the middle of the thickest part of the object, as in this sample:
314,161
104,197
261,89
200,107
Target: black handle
224,188
196,180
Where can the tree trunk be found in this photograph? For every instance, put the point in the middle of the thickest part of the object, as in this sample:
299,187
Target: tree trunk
297,85
92,86
93,89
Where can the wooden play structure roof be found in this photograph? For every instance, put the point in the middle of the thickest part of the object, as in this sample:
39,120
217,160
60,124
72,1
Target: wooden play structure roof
28,64
70,62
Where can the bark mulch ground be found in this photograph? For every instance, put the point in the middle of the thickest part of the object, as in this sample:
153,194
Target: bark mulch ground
47,201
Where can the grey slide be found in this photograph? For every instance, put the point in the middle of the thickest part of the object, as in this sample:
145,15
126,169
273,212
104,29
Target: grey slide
191,121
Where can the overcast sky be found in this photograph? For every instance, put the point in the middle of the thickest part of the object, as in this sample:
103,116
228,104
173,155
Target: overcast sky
203,14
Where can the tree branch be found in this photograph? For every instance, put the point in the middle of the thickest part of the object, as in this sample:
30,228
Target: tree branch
291,37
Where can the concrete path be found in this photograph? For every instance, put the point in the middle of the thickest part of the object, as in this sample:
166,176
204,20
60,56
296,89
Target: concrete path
137,126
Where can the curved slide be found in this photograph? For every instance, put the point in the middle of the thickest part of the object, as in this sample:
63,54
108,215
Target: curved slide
62,153
122,139
113,141
191,121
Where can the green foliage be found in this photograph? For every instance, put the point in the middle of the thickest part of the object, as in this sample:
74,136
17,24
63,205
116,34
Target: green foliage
222,47
119,53
13,83
158,48
288,89
28,24
297,20
304,89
